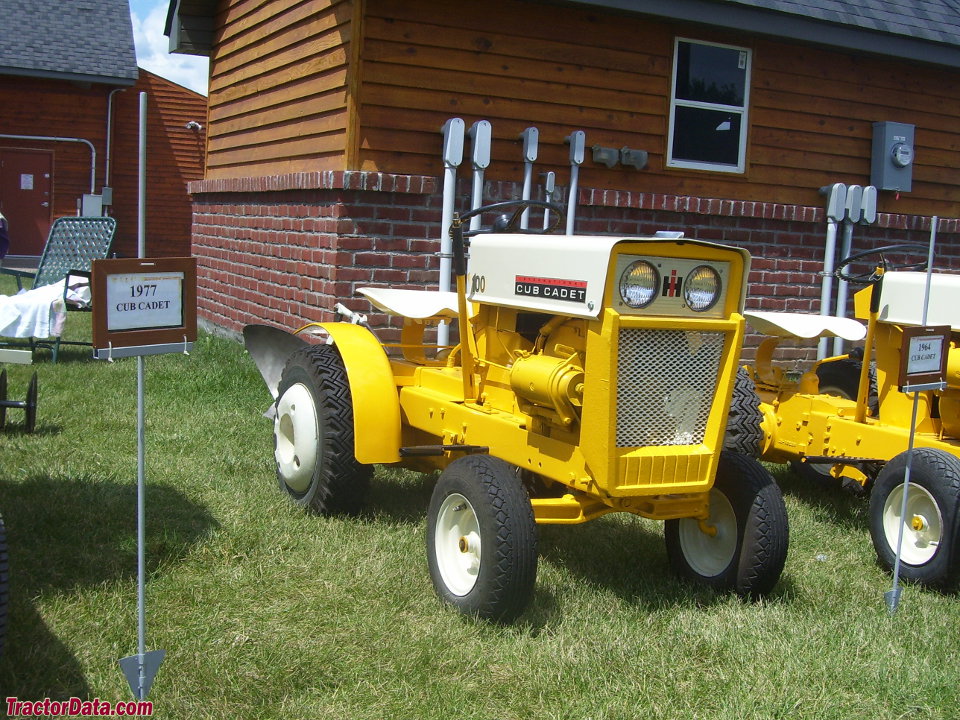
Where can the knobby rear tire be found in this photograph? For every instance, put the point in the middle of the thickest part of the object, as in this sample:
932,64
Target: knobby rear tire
314,434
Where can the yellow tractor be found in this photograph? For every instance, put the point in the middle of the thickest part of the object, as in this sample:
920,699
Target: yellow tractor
847,420
592,375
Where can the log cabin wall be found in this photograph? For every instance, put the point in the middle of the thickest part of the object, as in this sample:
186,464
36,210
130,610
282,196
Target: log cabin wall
279,82
263,258
558,68
174,159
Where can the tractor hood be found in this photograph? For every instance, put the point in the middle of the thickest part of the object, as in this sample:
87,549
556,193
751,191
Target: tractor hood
561,274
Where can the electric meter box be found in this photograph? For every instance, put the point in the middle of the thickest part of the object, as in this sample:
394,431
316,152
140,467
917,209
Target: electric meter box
891,165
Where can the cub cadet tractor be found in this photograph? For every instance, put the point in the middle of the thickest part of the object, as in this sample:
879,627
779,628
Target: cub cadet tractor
847,421
593,375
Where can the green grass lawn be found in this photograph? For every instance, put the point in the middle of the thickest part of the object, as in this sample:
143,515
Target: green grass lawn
268,612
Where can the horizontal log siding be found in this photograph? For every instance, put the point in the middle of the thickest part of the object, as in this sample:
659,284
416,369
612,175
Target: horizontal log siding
174,158
562,69
278,88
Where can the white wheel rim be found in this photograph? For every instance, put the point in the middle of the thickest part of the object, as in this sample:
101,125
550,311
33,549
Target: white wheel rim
297,435
456,544
709,555
922,525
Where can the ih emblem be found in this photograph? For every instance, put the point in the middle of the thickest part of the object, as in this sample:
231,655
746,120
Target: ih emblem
671,285
551,288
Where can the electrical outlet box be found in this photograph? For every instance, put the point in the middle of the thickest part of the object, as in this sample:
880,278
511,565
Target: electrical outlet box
891,165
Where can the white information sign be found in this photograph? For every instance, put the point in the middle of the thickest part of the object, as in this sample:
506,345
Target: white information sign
26,181
926,354
144,301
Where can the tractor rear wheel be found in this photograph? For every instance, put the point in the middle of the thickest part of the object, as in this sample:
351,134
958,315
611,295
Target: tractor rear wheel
313,434
930,553
482,539
743,544
744,433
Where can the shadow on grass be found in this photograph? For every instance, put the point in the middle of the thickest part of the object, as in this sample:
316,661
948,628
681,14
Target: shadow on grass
830,504
616,554
399,496
68,534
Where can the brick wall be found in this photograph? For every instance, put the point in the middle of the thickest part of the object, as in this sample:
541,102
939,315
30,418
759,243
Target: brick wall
283,250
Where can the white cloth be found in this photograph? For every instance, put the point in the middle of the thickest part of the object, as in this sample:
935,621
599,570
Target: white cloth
40,313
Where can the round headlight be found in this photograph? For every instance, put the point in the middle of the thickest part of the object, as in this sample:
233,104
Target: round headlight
701,290
639,284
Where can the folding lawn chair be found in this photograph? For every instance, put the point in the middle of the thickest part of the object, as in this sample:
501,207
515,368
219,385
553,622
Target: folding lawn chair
72,246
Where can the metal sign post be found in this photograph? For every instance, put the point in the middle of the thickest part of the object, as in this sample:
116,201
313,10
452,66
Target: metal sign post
892,596
143,307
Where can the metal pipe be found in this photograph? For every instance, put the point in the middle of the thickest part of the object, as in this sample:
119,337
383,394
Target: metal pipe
479,134
853,213
142,181
836,208
453,130
530,138
578,142
549,185
106,161
47,138
826,289
842,285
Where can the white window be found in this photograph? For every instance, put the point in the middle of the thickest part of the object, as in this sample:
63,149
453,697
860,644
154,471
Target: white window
708,107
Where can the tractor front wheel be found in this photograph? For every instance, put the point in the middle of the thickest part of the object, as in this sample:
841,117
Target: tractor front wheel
313,434
930,552
482,539
742,546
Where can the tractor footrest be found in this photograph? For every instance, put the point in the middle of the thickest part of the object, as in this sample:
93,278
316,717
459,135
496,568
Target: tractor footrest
834,459
432,450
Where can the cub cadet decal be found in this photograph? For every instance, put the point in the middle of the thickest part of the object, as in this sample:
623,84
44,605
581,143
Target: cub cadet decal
552,288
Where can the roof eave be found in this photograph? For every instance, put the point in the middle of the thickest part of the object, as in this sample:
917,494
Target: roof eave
68,77
788,27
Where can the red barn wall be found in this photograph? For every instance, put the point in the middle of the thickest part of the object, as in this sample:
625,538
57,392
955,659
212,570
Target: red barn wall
59,109
174,158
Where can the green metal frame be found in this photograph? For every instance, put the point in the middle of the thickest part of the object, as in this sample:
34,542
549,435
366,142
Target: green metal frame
72,246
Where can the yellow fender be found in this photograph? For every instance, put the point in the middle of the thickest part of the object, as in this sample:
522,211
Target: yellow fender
376,403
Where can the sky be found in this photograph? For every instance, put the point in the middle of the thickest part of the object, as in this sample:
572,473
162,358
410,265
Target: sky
148,18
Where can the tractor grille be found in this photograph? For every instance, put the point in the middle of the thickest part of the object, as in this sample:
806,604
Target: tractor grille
666,382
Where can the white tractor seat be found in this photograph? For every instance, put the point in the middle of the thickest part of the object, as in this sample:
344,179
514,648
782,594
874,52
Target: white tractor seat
804,325
413,304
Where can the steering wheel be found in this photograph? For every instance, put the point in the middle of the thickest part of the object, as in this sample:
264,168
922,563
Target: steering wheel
509,223
871,277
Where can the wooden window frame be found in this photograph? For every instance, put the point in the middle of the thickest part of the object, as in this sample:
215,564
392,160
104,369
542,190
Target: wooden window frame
742,112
